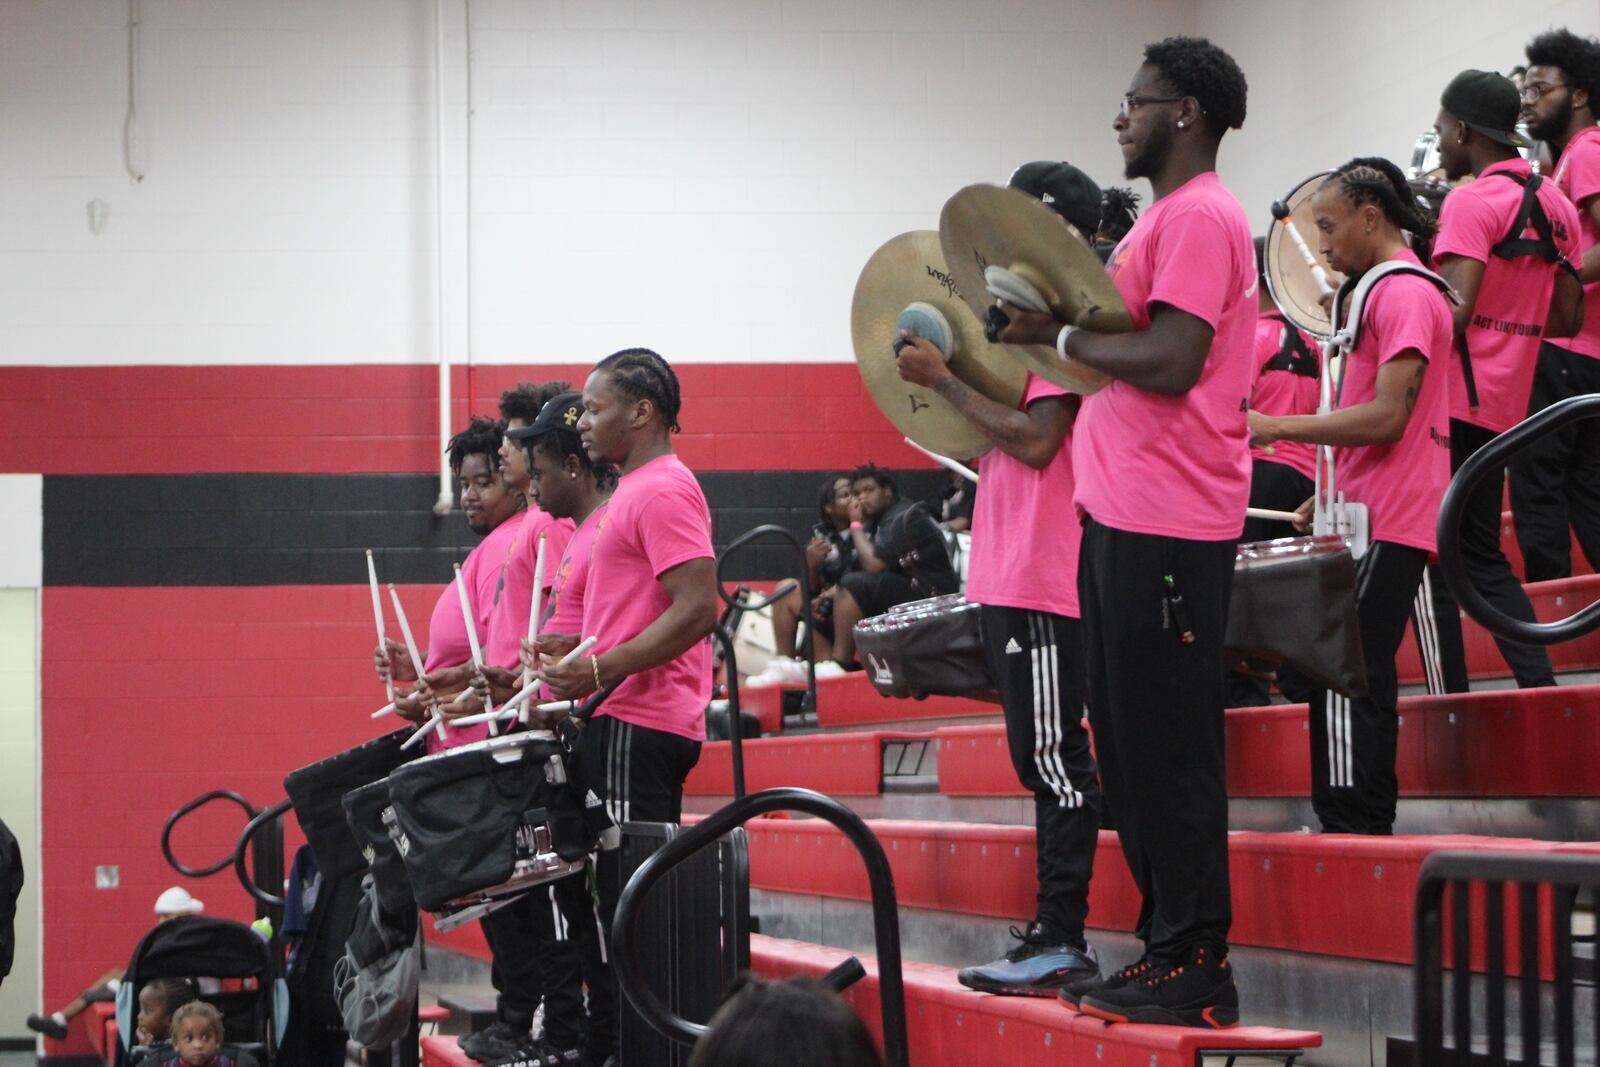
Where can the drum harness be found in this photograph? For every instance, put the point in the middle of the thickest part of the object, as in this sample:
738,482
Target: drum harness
1514,245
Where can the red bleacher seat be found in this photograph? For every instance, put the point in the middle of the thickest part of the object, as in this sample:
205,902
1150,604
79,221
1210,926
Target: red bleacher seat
1332,894
949,1024
840,764
442,1051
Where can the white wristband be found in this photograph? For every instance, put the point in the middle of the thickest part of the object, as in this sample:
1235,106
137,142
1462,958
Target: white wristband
1061,341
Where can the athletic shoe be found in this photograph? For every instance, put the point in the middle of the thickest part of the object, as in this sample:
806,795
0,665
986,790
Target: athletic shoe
1073,992
1196,990
1038,967
533,1052
781,670
827,668
49,1025
498,1042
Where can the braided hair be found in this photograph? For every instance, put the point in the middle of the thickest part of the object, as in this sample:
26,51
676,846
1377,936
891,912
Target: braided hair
558,444
1375,180
825,496
480,438
1119,209
643,375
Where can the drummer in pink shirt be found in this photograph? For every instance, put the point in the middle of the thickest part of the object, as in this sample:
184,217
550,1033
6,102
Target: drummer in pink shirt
1161,468
651,601
1508,245
1392,453
496,514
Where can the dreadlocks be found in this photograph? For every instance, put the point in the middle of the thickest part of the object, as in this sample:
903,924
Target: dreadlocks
643,375
480,438
1119,208
558,444
1374,180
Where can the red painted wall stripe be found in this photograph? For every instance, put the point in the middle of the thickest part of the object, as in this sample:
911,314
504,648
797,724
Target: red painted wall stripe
382,418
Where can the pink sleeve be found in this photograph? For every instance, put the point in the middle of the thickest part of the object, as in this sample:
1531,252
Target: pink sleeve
1405,315
1570,241
674,529
1583,171
1192,268
1467,227
1039,389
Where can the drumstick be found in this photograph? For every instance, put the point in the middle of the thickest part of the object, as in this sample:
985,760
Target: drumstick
533,609
377,617
506,709
1280,211
946,462
472,641
387,709
1269,514
437,721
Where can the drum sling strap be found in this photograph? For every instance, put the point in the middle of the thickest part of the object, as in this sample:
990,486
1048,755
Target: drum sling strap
1514,245
1294,355
1359,292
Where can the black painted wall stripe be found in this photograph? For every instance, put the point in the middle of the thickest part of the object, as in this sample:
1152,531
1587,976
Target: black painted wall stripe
311,529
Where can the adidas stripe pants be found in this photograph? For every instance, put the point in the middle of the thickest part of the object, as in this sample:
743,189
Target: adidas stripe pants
1036,659
1353,742
1155,703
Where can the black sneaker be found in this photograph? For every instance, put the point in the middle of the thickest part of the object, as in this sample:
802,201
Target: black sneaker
1196,990
498,1042
1038,967
533,1052
1073,992
48,1025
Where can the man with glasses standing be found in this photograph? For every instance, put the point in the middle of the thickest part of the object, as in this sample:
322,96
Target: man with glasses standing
1556,483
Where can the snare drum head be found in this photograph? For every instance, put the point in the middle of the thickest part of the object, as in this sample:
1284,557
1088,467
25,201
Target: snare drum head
1289,278
505,748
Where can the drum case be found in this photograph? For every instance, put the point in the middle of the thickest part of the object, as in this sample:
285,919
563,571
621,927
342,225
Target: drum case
926,647
370,816
317,792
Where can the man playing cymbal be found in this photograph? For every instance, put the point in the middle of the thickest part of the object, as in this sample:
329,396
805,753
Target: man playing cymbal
1162,472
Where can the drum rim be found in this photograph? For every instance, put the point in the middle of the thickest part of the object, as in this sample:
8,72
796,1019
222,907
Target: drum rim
1322,330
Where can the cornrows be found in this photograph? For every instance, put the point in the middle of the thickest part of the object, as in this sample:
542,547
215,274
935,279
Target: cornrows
643,375
1374,180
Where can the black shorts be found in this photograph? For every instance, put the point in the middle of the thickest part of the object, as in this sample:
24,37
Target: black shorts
877,593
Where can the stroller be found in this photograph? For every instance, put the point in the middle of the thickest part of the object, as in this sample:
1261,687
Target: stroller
254,1002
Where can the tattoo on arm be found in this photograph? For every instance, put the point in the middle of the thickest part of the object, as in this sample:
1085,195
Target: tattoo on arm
997,422
1414,388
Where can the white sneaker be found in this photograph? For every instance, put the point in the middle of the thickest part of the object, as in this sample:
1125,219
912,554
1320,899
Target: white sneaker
780,671
828,668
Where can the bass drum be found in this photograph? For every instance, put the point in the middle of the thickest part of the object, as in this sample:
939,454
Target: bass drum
1289,277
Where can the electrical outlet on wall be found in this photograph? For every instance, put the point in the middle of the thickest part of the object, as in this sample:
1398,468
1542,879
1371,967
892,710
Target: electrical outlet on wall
107,877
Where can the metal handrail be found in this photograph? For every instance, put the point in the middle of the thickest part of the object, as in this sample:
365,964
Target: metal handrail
1490,458
263,818
805,596
885,916
735,722
199,802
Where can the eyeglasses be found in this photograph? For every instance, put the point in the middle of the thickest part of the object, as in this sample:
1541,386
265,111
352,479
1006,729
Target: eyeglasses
1130,102
1534,90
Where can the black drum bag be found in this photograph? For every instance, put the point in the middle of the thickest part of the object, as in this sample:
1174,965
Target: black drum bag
459,814
364,809
1294,603
317,792
926,647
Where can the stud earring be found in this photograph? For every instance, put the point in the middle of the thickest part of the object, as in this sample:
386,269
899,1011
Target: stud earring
1180,124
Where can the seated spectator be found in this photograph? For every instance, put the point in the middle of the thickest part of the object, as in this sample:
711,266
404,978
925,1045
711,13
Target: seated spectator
797,1022
956,502
902,556
197,1034
152,1041
829,556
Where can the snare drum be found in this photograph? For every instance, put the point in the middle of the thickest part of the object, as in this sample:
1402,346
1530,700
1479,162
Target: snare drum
487,822
930,647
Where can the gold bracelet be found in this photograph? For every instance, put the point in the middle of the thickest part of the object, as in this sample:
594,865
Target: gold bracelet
594,664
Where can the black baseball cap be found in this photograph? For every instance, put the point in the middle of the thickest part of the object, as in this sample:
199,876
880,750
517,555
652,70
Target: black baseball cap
1065,189
560,412
1488,102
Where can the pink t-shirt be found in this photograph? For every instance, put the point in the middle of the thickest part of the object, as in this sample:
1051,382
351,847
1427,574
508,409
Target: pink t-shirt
447,630
1025,533
1513,300
1578,175
1278,390
564,609
508,621
1401,483
657,520
1178,466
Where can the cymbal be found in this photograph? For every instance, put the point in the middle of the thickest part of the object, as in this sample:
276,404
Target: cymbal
907,269
984,225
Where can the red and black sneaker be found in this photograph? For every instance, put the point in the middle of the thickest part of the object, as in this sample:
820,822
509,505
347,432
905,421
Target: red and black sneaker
1196,990
1073,992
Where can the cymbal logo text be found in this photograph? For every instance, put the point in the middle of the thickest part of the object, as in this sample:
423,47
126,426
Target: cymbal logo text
943,278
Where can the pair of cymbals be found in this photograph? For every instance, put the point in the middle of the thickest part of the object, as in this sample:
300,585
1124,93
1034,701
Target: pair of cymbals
981,225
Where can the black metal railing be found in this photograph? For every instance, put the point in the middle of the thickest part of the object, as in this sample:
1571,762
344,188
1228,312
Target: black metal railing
1541,893
262,837
1489,459
885,916
735,720
804,578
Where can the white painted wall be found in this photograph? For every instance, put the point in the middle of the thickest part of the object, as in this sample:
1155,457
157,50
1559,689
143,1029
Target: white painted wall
1329,81
706,176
